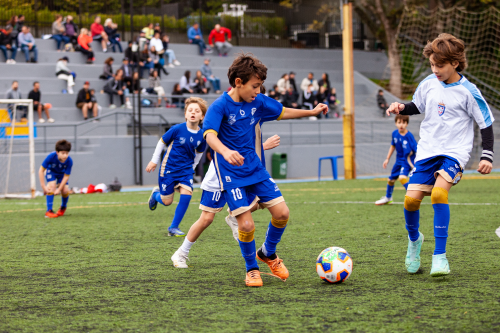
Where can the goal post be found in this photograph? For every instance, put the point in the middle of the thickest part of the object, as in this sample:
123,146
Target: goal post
17,148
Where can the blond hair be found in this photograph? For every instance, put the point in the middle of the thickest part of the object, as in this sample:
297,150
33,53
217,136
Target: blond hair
200,101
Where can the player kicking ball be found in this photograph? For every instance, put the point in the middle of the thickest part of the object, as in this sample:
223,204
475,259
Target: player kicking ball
185,146
211,203
405,146
230,129
450,104
56,169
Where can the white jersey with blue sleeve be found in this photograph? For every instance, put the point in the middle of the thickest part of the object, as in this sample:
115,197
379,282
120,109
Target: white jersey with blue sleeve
450,111
237,125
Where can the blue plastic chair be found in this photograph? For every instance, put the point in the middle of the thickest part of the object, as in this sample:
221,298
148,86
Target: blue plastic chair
333,159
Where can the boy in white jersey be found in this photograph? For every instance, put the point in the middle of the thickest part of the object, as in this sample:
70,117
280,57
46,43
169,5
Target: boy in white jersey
450,103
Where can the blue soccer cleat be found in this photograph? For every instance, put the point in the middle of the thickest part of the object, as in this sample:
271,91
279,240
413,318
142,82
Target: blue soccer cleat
412,261
176,232
440,265
152,201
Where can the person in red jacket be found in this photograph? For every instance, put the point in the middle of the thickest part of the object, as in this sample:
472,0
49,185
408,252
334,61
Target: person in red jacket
219,35
99,34
85,40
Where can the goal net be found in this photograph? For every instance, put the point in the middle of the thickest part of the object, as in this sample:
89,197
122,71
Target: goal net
17,149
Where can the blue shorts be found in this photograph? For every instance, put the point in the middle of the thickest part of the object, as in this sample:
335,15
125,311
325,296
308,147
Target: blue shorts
423,176
242,199
169,184
50,177
401,168
213,202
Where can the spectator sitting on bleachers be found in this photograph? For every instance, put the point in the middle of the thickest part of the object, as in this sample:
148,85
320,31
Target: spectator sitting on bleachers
71,30
291,81
195,37
64,73
59,33
36,96
149,31
142,41
283,84
155,84
207,72
99,34
332,102
111,30
324,82
107,70
115,86
218,34
158,60
157,43
132,87
199,82
27,43
308,98
132,54
309,80
145,62
13,23
84,101
6,44
172,59
382,103
128,71
290,99
85,42
186,83
177,102
15,93
274,93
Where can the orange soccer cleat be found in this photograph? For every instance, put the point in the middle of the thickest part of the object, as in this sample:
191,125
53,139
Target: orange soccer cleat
276,265
253,279
61,211
50,214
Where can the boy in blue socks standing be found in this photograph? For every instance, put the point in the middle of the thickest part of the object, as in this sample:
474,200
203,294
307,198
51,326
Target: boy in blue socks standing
405,146
232,130
185,146
56,169
451,104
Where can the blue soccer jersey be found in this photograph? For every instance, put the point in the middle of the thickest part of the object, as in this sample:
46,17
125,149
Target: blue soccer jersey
237,125
406,147
56,167
182,146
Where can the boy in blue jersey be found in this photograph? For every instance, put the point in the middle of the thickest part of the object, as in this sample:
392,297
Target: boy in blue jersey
451,105
185,146
405,146
230,129
56,169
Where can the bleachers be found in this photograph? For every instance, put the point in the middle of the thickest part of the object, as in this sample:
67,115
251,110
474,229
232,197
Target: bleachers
116,128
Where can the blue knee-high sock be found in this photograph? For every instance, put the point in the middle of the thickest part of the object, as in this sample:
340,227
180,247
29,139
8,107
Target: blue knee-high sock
247,246
412,224
180,210
64,201
157,196
50,201
390,189
441,222
275,229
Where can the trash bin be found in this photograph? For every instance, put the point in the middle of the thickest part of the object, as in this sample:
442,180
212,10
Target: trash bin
279,166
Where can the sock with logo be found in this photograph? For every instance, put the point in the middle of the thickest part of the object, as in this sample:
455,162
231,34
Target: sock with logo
275,229
247,246
439,199
412,217
181,209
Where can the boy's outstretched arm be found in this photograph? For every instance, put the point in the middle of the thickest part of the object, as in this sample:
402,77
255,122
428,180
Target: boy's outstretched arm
272,142
298,113
486,164
404,109
391,150
231,156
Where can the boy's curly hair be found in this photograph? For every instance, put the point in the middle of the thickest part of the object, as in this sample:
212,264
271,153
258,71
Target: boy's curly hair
244,67
447,48
63,145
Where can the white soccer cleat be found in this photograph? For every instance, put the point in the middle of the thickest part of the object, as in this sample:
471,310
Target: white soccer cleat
179,259
384,201
233,224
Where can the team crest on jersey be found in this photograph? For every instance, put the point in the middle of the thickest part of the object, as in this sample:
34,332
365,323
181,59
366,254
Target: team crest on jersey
441,108
242,112
232,119
198,143
182,140
191,139
252,121
404,144
395,140
253,111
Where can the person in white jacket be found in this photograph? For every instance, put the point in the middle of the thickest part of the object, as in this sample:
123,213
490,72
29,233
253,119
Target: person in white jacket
283,84
310,80
64,73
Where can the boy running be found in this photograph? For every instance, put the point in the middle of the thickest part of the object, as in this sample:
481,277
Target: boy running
185,147
230,129
450,103
405,146
56,169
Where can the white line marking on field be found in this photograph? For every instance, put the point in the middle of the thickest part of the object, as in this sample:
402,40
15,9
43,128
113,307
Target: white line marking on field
498,232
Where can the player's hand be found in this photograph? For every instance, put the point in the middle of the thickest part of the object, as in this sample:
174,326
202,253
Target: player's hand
320,108
385,163
151,167
395,108
57,191
272,142
484,167
45,191
233,158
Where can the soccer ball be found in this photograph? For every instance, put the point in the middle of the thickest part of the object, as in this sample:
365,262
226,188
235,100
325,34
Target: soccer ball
334,265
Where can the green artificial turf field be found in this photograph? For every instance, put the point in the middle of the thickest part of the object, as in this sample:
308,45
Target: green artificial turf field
105,266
